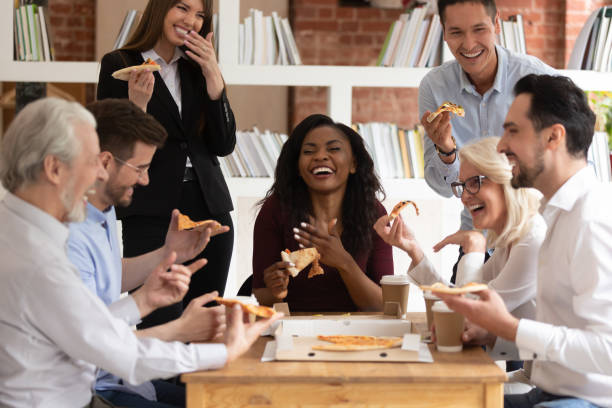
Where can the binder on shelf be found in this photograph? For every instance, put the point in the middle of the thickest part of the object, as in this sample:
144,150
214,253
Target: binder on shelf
593,47
44,34
282,47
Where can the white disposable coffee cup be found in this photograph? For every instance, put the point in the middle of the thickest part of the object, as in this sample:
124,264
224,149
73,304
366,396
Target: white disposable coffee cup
395,291
449,328
430,299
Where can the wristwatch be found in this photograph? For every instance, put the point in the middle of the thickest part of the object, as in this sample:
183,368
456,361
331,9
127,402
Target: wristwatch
447,154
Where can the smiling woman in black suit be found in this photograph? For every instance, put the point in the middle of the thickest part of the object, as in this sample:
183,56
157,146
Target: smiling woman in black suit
188,98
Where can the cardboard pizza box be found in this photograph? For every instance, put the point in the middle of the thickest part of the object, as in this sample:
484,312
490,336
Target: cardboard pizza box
295,338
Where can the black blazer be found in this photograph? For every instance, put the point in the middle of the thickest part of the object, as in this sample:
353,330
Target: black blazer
207,129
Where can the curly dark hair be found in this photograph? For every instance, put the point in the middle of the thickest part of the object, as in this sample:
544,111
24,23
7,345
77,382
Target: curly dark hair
359,205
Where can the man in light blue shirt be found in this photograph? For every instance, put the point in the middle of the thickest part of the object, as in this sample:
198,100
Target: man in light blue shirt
480,79
128,140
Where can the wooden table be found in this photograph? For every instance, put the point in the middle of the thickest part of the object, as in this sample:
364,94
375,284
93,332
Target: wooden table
467,379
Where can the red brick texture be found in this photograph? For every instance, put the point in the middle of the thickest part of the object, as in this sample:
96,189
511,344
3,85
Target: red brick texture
327,34
73,25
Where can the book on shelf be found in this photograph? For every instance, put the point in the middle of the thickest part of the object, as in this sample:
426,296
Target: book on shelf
593,46
255,155
32,37
128,25
512,34
396,152
414,40
267,40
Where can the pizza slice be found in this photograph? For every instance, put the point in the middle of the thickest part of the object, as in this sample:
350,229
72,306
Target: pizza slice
400,206
302,259
439,287
185,223
261,311
356,343
124,73
446,107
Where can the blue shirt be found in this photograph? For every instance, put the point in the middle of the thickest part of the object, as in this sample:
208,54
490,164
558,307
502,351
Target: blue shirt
484,114
93,247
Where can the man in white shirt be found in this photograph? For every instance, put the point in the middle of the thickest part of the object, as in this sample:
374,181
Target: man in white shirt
128,139
547,133
53,331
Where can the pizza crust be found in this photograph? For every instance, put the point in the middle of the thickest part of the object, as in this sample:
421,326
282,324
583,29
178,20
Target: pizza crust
123,74
471,287
400,206
446,107
261,311
185,223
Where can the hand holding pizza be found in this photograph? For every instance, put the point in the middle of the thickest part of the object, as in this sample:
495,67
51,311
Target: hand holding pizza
326,239
276,278
201,50
187,243
199,323
469,241
239,335
140,88
166,285
439,130
399,235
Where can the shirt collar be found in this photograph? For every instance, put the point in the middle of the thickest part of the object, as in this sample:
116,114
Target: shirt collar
178,54
574,188
500,75
96,216
56,231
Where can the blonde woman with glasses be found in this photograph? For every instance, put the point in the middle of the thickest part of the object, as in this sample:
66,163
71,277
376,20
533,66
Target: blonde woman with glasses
513,228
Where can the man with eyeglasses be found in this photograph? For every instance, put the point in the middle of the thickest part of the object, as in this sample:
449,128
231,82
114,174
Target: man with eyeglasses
547,133
128,140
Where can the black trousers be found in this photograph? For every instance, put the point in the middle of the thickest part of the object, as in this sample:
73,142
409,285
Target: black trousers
142,234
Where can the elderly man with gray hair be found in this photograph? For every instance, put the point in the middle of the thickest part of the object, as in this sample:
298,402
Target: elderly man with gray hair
53,331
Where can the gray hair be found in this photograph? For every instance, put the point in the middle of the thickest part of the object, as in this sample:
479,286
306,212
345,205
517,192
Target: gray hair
43,128
521,204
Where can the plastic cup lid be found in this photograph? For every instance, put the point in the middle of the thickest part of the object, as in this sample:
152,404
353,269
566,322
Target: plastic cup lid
395,280
440,306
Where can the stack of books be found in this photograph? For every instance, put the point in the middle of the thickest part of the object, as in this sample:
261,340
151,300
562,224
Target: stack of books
593,47
512,35
414,40
397,153
32,39
267,40
255,154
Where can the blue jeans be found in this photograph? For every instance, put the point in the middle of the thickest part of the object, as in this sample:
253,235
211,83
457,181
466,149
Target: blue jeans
537,398
168,396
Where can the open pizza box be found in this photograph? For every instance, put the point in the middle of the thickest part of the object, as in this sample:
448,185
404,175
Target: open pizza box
295,337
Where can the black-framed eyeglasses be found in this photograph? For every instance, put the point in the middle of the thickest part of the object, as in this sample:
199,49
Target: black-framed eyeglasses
142,171
472,185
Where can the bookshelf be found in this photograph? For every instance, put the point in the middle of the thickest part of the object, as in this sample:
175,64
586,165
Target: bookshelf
339,80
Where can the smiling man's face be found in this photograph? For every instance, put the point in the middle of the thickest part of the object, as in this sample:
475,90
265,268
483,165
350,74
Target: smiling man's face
470,33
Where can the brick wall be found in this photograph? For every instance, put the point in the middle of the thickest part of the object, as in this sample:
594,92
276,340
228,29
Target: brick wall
74,29
330,35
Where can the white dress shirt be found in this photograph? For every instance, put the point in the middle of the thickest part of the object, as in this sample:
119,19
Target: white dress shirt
571,341
172,79
54,331
510,271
